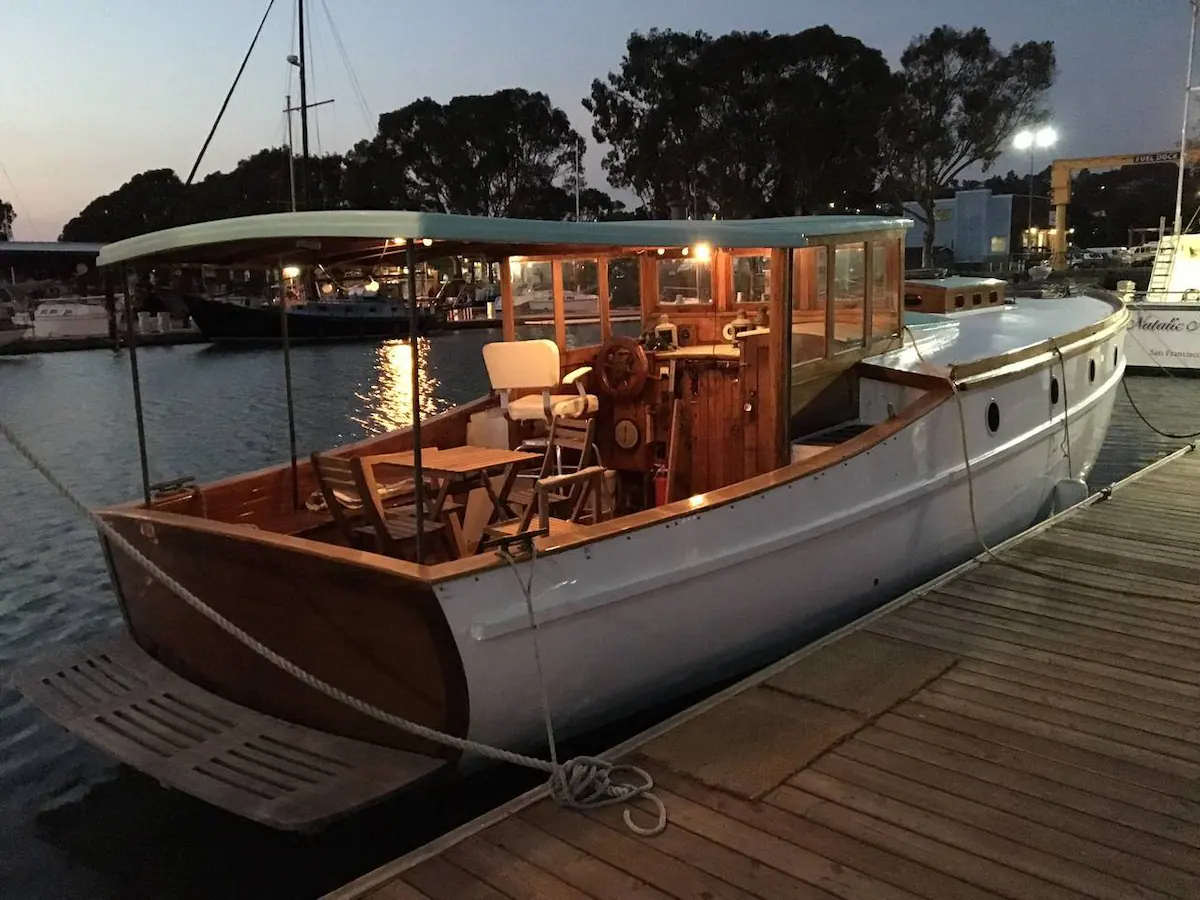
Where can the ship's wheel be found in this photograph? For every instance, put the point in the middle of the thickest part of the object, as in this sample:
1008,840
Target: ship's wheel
622,366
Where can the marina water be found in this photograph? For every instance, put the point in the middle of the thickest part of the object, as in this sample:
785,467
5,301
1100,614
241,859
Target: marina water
73,824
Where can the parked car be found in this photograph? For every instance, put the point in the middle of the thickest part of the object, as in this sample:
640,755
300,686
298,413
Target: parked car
1143,255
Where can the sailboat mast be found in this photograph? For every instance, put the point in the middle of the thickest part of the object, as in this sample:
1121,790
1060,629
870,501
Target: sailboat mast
291,153
1183,134
304,176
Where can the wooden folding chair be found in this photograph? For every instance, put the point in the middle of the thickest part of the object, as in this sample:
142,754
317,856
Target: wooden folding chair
352,496
586,483
577,435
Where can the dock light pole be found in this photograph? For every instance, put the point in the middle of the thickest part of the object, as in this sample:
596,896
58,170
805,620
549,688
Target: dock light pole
1029,139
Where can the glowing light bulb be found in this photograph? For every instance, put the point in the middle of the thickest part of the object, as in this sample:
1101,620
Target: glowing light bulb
371,286
428,242
703,253
685,251
291,271
661,251
399,242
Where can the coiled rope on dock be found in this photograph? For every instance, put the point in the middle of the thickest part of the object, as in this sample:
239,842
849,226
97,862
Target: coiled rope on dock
583,782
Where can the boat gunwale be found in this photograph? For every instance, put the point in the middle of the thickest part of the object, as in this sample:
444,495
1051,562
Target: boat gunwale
939,388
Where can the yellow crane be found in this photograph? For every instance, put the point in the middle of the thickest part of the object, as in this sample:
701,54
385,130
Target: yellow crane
1060,186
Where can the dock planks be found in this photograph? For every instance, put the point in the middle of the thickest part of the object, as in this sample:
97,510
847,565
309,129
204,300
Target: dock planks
1024,728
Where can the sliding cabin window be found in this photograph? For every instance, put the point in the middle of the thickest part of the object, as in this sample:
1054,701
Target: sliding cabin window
683,280
885,289
625,296
751,278
849,287
533,297
581,302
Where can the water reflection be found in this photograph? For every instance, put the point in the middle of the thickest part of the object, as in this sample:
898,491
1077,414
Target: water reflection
388,401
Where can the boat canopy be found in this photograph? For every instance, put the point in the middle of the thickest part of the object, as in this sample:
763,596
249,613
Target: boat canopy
381,237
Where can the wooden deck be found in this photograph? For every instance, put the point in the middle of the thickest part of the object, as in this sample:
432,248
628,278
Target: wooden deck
997,734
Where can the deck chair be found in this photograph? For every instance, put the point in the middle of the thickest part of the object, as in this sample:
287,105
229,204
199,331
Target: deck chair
565,498
355,502
586,483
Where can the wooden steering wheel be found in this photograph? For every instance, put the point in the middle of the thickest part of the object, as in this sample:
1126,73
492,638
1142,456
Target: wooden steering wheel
622,367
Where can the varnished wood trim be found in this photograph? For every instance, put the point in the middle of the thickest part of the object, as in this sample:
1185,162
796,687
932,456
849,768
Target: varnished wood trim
901,377
830,298
560,312
779,351
605,299
868,291
507,314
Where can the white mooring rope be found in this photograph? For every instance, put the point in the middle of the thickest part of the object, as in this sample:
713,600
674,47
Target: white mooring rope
584,782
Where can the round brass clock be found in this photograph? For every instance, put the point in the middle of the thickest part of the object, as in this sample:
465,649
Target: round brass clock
626,434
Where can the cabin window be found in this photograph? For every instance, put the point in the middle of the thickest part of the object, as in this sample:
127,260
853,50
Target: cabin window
885,289
959,301
808,304
751,279
533,298
976,299
993,297
850,295
625,296
581,301
683,280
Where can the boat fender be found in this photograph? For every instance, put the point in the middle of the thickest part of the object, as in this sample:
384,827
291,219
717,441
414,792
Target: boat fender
1068,492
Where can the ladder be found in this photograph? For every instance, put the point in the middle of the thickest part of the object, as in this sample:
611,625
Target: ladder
1164,259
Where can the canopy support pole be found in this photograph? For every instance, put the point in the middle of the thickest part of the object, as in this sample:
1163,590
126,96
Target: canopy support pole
287,382
131,342
418,475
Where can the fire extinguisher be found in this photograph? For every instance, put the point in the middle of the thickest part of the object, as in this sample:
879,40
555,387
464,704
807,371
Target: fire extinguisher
660,485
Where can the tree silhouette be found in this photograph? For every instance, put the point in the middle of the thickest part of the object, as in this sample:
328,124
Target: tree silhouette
7,216
748,124
959,99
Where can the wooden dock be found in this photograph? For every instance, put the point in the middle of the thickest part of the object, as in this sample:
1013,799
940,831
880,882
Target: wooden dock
1024,728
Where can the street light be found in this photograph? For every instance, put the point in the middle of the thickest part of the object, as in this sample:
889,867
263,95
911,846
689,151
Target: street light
1029,139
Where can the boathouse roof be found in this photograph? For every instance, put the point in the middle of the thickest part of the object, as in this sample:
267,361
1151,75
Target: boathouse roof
382,237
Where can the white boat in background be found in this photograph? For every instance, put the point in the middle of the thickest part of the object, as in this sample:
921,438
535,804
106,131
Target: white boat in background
811,468
1165,334
74,316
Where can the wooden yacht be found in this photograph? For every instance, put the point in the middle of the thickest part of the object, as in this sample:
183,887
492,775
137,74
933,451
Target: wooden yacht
777,446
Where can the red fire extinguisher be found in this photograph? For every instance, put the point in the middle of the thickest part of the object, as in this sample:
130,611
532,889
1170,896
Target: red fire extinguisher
660,485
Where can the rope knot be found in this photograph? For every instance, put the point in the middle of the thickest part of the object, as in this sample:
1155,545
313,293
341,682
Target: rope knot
587,782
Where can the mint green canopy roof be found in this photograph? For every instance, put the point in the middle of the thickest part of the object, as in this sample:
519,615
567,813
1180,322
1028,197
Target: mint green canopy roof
369,237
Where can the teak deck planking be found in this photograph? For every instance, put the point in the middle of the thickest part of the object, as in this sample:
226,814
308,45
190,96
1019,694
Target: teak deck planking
995,734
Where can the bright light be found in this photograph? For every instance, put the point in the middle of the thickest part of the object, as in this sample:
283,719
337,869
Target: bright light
661,251
371,286
831,205
428,242
399,242
291,271
1027,137
703,253
327,288
685,251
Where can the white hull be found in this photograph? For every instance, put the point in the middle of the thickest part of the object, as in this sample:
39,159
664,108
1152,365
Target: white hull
638,619
1164,336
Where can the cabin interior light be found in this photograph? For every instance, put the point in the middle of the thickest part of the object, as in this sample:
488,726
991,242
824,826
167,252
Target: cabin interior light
685,251
702,253
291,271
399,242
662,250
327,288
371,286
428,242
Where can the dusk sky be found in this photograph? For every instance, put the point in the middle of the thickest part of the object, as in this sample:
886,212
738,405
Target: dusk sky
95,91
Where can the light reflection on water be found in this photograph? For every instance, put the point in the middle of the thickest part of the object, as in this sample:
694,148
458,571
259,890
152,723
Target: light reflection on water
388,402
